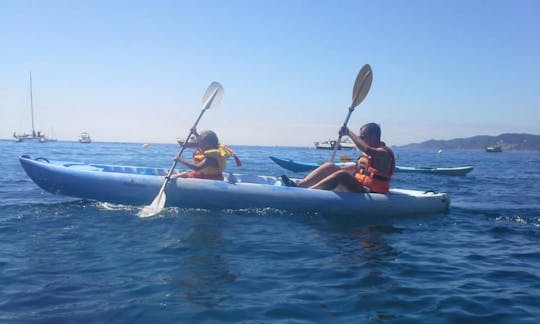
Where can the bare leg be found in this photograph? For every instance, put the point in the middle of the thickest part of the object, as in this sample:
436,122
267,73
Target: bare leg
341,177
183,174
318,174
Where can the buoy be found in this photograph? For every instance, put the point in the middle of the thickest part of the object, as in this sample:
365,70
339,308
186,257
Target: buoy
145,146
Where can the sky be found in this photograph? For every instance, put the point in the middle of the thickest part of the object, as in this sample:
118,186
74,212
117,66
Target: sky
136,71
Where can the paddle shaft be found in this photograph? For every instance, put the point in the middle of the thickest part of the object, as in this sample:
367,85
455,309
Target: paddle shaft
361,87
351,109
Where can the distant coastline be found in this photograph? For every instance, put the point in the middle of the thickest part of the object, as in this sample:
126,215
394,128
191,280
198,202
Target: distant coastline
508,142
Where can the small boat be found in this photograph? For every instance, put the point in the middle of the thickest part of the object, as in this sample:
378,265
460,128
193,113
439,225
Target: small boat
139,185
308,166
494,149
345,144
191,143
85,138
34,136
37,136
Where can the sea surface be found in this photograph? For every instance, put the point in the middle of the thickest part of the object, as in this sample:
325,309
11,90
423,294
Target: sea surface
66,260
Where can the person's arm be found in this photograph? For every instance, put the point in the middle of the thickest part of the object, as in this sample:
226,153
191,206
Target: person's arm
193,166
361,144
197,166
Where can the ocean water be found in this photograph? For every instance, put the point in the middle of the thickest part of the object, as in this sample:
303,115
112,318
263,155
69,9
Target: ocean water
66,260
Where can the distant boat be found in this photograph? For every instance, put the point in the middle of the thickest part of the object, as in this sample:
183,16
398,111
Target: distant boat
37,136
190,144
344,144
494,149
85,138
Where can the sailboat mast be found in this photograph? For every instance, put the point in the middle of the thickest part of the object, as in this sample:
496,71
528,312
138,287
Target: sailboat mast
32,105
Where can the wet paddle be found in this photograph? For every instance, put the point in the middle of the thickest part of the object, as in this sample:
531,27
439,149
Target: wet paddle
360,91
211,97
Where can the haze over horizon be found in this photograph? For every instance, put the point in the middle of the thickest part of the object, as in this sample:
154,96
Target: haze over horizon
136,71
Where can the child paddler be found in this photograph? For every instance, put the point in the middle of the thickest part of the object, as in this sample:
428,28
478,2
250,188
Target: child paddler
209,158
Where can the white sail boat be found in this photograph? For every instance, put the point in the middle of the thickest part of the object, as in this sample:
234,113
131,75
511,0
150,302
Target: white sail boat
34,135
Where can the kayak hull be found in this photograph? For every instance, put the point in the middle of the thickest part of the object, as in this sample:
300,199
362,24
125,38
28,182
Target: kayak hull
139,186
297,166
453,171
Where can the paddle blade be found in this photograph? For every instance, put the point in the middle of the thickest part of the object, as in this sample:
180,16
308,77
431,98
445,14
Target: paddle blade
155,207
345,158
361,85
213,95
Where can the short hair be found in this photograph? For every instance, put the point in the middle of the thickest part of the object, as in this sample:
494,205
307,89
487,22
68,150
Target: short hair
372,129
209,137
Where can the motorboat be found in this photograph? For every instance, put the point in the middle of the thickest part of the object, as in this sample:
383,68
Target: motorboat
84,137
494,148
345,144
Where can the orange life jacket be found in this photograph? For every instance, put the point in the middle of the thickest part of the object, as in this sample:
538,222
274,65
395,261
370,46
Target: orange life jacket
372,178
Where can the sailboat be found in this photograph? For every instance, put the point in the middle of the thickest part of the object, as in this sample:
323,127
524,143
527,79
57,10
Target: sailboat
35,135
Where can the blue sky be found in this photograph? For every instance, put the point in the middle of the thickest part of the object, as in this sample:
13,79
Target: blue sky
135,71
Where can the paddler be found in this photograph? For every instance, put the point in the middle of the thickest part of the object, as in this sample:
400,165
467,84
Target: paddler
209,158
372,171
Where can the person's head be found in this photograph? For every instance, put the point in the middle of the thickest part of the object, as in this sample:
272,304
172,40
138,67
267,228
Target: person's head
370,132
208,140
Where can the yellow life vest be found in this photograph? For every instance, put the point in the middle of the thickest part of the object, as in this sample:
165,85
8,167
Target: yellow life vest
219,155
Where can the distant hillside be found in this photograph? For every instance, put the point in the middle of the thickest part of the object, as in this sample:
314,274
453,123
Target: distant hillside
526,142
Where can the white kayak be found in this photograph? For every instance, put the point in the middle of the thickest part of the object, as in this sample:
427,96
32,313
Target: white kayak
139,186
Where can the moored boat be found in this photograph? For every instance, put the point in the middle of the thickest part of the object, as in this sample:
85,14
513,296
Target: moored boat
85,138
494,149
191,143
308,166
345,144
37,136
34,136
139,185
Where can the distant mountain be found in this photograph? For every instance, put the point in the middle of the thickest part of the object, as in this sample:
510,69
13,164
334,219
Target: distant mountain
526,142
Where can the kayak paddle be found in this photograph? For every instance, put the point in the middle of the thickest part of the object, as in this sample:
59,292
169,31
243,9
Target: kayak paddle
211,97
360,91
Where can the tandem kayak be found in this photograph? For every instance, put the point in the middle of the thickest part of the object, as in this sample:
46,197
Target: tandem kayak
308,166
139,185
